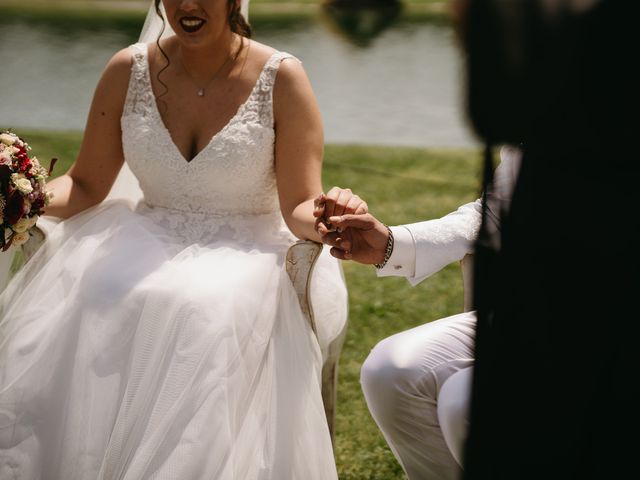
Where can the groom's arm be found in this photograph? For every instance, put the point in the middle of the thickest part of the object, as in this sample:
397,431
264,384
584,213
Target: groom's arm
424,248
420,249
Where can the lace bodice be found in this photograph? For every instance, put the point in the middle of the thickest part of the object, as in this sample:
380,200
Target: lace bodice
230,181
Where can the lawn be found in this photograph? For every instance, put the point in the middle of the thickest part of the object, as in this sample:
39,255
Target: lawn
401,185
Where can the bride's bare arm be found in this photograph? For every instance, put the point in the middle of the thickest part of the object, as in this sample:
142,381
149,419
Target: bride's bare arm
299,147
90,178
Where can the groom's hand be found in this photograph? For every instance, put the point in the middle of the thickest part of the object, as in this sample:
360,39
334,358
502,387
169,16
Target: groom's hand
361,238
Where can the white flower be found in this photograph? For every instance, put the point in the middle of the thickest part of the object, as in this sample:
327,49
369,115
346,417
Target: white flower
22,225
37,170
32,221
22,183
20,238
5,158
7,138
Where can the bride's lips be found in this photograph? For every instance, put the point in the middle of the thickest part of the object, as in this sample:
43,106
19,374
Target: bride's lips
191,24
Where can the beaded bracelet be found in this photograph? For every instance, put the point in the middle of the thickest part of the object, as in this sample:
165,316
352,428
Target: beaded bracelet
388,251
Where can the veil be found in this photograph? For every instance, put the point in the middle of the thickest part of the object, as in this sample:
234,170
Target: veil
126,186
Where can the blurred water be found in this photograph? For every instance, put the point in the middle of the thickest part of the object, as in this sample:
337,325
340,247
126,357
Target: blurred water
403,88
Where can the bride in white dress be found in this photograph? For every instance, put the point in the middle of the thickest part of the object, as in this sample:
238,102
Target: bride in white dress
163,339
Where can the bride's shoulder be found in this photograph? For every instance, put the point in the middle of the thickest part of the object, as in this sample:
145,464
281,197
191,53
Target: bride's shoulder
262,53
259,50
115,76
119,65
120,61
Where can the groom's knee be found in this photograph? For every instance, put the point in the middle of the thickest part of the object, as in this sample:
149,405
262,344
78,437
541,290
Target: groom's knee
388,376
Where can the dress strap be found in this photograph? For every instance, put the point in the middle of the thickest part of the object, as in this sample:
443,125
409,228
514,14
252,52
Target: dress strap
263,92
139,95
139,51
270,69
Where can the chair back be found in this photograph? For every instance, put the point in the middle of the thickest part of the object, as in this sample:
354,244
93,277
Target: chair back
466,266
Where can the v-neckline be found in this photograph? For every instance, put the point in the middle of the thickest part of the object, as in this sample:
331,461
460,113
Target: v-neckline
215,135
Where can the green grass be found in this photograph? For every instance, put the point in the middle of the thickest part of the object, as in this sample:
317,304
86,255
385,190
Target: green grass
401,185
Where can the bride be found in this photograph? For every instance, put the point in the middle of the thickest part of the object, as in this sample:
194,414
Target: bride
162,339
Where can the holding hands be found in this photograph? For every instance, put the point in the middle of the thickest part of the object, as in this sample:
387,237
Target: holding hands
343,222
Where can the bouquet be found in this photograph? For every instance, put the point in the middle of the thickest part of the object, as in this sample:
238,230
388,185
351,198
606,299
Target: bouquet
22,190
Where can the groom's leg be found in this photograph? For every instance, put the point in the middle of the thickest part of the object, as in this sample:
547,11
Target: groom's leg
401,379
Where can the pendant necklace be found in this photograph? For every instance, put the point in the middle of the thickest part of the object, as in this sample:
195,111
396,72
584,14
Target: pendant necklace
201,90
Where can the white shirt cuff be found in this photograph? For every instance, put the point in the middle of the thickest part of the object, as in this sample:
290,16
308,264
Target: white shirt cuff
402,262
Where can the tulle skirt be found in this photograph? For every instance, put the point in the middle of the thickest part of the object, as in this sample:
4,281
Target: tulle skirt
128,353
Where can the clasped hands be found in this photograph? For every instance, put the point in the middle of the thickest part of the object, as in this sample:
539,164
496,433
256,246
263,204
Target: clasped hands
343,222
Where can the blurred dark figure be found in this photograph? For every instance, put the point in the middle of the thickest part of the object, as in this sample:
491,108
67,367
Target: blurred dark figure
555,392
360,21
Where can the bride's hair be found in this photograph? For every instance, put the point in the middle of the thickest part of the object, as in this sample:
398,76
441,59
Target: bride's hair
237,21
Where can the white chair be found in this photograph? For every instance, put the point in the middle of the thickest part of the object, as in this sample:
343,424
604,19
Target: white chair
455,393
466,267
301,258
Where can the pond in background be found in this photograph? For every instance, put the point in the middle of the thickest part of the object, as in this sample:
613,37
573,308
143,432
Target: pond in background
402,87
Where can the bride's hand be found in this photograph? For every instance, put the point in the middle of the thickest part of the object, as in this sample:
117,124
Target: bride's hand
337,202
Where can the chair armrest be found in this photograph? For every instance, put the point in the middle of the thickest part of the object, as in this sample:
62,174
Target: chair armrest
29,248
300,261
39,234
301,258
466,266
13,259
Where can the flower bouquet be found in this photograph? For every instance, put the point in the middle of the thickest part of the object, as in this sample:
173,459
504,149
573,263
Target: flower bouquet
22,190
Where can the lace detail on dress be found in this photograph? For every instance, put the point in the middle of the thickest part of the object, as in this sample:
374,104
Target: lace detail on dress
199,228
139,98
259,106
233,175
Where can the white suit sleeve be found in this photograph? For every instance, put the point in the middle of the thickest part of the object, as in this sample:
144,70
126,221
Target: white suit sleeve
424,248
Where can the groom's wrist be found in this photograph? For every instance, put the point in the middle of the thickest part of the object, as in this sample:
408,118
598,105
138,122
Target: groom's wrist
403,258
388,250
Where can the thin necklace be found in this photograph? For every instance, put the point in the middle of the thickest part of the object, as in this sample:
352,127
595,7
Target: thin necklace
201,90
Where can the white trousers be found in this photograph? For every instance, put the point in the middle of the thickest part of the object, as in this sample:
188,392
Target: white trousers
401,380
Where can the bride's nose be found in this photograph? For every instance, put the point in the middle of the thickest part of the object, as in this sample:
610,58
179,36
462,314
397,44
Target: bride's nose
190,5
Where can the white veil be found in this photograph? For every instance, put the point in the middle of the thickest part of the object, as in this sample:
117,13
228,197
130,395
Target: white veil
126,185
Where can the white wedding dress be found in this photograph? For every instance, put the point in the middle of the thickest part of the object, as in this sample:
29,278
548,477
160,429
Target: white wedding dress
164,340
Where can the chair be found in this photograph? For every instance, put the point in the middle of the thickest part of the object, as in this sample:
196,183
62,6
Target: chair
466,267
300,260
455,393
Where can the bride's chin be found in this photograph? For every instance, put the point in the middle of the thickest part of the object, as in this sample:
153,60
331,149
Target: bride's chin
191,36
192,40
